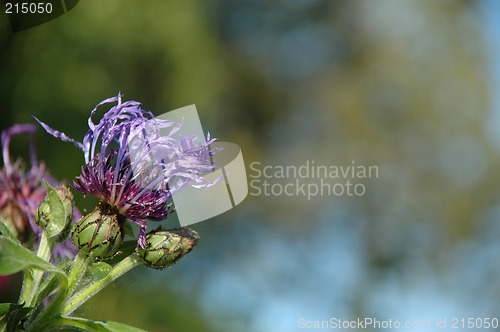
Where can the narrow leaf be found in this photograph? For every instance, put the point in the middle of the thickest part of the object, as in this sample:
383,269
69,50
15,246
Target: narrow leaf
91,325
4,230
118,327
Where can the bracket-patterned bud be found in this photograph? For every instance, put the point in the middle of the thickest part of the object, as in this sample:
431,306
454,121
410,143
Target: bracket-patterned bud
163,248
99,234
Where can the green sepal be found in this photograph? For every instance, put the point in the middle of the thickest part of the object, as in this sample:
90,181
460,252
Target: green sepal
51,213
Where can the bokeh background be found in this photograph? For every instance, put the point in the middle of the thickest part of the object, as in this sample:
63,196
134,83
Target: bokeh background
408,86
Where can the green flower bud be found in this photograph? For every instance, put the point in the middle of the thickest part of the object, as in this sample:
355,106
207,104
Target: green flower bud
55,213
164,248
99,234
67,198
43,213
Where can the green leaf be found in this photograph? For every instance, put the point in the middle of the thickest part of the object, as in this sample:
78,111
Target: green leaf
47,287
127,229
6,307
57,217
127,248
100,270
118,327
4,230
91,325
12,314
14,258
65,265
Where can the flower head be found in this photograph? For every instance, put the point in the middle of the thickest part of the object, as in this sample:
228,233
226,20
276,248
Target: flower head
133,162
21,191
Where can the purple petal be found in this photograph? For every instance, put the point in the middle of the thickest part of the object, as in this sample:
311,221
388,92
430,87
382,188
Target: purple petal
6,137
57,134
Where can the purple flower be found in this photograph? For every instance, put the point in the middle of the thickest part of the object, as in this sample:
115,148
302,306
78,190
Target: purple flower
22,191
133,163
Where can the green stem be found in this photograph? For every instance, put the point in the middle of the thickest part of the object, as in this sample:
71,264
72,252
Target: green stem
27,286
44,252
45,247
77,270
118,270
53,310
